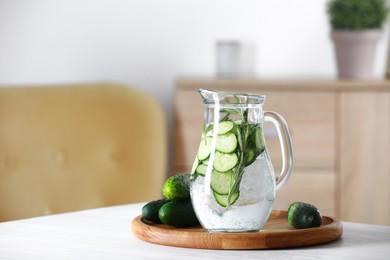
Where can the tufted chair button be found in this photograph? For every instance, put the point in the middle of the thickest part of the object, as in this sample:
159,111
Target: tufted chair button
10,163
116,155
59,158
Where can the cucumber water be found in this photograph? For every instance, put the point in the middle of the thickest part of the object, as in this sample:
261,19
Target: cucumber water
232,182
237,145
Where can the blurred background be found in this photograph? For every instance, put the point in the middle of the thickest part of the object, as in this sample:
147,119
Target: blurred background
149,44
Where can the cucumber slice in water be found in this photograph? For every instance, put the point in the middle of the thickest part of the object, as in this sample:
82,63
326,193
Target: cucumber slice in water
222,200
250,156
238,122
204,148
206,162
224,162
201,169
209,133
235,141
224,127
222,182
259,139
226,143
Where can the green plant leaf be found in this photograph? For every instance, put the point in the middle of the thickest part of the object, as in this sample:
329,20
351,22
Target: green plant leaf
357,14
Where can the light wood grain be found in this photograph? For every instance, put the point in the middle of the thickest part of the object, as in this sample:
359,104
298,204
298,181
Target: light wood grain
365,160
312,186
312,85
277,233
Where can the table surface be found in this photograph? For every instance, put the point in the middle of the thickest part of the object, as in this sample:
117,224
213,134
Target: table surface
105,233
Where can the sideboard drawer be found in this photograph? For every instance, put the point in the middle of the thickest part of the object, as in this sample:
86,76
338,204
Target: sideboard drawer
311,120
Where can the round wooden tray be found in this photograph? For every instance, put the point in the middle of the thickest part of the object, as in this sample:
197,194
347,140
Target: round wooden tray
277,233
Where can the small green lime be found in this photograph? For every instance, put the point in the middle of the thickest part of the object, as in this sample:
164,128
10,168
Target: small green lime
303,215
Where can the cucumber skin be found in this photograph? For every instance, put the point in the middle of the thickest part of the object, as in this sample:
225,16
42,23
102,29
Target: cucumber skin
177,187
178,214
150,210
303,215
222,199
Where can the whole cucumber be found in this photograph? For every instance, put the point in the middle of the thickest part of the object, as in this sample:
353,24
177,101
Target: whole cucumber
303,215
178,214
177,187
151,209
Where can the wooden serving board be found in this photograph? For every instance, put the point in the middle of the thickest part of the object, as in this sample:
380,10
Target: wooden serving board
277,233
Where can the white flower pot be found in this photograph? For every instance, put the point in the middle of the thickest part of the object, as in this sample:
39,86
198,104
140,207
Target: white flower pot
355,52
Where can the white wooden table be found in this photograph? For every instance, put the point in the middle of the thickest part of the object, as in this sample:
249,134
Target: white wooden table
105,233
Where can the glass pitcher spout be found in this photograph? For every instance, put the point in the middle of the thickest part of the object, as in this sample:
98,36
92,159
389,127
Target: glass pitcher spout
220,105
221,97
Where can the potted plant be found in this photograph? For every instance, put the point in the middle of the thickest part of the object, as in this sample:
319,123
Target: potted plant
356,28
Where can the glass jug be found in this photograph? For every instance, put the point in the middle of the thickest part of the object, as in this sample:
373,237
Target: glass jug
233,184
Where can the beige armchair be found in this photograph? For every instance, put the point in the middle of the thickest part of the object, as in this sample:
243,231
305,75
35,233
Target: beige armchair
67,148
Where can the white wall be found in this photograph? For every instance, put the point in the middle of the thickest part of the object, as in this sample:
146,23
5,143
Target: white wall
149,43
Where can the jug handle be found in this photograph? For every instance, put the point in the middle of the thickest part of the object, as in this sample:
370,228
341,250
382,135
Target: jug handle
285,146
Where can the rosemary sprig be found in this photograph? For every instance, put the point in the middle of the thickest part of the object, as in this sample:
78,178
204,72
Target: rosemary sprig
243,132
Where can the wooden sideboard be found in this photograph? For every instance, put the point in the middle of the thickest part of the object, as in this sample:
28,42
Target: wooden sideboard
341,139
